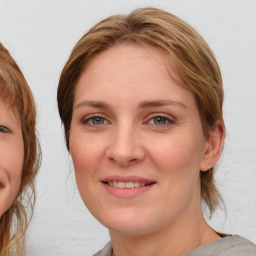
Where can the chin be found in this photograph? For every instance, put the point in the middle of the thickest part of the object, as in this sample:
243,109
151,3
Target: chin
126,222
128,229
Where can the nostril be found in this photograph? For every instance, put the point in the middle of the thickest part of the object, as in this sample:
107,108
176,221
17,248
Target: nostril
133,160
125,153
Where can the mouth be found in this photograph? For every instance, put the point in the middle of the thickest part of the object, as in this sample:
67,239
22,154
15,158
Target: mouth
128,184
127,187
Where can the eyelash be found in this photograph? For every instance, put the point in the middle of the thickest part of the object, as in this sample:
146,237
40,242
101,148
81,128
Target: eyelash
91,118
4,129
167,120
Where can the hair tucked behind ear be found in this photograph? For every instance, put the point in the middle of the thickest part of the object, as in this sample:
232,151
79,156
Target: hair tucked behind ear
15,92
209,191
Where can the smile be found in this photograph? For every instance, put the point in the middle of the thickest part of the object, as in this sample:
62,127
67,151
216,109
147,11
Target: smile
129,184
127,187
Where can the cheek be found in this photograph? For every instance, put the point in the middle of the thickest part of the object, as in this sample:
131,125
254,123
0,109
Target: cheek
177,152
86,154
178,169
178,162
16,161
11,165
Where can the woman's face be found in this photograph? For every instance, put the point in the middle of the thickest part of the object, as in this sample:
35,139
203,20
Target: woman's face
136,141
11,156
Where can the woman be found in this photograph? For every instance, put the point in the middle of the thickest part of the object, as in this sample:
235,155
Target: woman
141,102
18,155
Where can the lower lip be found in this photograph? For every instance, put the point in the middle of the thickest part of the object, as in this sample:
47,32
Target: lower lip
127,192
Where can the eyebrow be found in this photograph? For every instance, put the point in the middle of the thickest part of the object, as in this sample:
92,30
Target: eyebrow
144,104
159,103
91,103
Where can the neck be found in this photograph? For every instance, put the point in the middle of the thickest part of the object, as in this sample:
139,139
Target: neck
176,241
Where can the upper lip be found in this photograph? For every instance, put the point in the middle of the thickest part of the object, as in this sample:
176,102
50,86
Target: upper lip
126,179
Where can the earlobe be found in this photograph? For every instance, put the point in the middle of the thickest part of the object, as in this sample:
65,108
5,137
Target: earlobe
214,146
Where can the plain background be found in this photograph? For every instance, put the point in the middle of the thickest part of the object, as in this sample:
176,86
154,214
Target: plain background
40,36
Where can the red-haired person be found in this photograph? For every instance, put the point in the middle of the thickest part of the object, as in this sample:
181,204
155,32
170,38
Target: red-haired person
19,156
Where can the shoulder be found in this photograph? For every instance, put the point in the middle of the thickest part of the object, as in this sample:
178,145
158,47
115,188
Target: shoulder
227,246
239,246
106,251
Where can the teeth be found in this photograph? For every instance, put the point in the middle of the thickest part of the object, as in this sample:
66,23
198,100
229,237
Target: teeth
136,184
129,184
121,184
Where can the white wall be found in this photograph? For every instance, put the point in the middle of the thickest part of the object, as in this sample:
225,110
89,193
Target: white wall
40,36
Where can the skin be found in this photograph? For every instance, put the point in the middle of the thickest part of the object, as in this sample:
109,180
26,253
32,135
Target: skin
132,121
11,156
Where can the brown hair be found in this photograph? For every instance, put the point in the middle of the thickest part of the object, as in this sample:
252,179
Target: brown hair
16,92
192,58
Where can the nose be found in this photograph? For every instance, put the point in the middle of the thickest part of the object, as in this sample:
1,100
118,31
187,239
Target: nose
125,148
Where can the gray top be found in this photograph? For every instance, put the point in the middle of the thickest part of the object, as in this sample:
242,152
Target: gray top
227,246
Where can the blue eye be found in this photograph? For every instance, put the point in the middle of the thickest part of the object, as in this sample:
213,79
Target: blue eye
97,120
160,120
4,129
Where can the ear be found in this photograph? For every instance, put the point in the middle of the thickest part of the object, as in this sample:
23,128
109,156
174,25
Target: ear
213,146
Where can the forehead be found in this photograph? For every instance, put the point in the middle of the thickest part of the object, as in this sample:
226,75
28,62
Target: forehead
129,63
8,95
131,54
8,103
8,111
130,74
